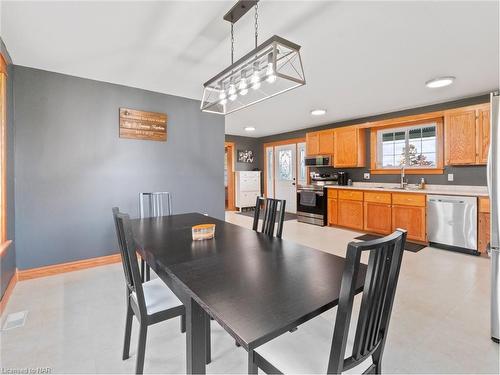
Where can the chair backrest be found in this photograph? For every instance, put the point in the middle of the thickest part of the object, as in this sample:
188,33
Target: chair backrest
129,257
155,204
273,209
379,290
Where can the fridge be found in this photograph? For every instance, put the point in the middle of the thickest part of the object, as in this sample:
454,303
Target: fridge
493,187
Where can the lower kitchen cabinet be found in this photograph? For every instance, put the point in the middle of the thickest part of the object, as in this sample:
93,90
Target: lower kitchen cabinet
483,232
483,225
350,214
332,211
412,219
377,217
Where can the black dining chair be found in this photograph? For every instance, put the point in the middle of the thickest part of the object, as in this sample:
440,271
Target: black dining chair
150,302
154,204
320,346
273,211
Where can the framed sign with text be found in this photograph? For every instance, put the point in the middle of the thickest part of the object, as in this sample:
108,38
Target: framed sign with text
149,126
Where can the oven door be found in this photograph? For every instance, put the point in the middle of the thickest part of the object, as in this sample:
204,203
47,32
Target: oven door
312,213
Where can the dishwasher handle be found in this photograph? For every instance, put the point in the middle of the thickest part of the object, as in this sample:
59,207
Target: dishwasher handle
446,201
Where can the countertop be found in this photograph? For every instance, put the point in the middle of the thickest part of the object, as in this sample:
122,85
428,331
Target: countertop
474,191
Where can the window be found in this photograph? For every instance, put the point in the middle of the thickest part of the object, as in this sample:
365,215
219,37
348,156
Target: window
285,165
270,172
301,166
415,147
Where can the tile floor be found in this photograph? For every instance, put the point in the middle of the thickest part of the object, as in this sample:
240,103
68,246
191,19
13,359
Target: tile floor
75,322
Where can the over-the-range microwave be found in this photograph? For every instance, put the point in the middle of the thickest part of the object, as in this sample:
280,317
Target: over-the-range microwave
319,161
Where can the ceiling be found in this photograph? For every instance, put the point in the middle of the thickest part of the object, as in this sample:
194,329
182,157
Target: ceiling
360,58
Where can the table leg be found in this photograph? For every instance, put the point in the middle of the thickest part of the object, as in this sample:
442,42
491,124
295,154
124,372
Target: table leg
196,319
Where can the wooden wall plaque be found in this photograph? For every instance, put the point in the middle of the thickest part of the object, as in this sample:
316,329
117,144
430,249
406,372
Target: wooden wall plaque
150,126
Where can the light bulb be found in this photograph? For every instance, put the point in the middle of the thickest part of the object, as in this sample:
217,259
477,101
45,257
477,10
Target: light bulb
222,97
255,80
271,77
243,87
232,92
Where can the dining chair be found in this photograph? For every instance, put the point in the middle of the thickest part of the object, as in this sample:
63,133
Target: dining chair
154,204
150,302
272,209
320,346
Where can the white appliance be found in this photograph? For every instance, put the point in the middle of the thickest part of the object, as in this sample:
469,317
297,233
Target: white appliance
493,187
247,188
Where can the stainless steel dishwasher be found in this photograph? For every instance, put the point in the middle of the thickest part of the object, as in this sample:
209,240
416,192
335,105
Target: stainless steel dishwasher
452,222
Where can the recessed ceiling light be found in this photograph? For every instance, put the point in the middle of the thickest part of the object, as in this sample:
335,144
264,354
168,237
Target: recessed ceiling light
318,112
440,82
249,129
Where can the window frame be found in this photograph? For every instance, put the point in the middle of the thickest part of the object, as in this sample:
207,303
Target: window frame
374,147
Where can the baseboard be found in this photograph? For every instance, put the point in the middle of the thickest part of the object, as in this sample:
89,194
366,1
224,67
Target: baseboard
56,269
8,292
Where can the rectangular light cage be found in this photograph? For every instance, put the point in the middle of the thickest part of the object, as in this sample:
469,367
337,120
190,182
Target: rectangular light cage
272,68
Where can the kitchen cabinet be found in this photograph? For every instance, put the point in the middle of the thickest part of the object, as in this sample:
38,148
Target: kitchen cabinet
312,143
483,137
319,142
332,211
466,135
377,212
408,212
332,207
350,209
350,147
483,227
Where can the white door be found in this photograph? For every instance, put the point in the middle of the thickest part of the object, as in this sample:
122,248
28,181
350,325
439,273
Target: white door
284,177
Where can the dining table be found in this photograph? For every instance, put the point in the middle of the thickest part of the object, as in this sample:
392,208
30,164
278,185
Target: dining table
255,286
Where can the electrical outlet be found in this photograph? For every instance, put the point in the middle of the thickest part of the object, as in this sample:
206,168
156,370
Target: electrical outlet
450,176
366,176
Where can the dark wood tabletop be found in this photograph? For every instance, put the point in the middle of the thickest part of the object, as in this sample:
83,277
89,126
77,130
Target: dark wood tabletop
255,286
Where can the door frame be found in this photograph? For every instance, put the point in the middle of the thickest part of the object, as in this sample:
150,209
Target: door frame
230,176
273,145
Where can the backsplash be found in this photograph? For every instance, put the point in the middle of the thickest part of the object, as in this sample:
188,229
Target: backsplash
472,176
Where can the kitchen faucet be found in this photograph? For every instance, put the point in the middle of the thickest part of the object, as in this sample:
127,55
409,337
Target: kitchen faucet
403,182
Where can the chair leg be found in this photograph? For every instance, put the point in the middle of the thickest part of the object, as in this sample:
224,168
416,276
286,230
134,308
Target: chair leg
143,265
208,342
128,332
148,273
252,366
377,361
183,323
141,349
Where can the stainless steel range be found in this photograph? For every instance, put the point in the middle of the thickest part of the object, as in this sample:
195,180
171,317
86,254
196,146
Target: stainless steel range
312,199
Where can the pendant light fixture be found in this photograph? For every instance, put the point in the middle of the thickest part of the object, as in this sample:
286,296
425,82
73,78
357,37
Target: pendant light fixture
270,69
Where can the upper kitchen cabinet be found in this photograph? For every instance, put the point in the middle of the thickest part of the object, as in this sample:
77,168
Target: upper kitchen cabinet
319,142
467,135
349,146
483,138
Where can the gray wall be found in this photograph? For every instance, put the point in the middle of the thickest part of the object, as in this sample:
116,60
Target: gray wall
8,258
470,175
71,166
246,143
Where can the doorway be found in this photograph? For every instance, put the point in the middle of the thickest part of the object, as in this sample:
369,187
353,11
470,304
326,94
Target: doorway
284,169
229,176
